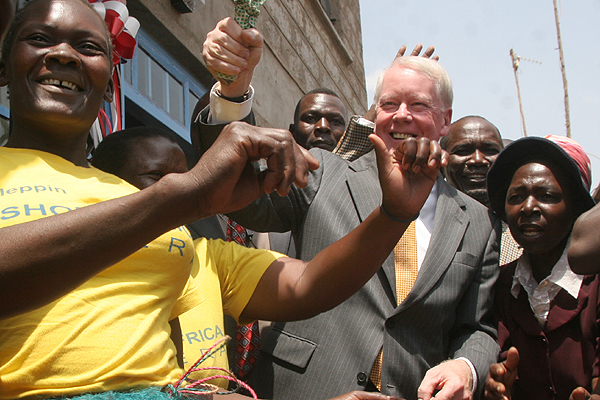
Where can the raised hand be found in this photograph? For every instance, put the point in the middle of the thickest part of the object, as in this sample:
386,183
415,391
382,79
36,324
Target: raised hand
233,182
231,50
501,378
417,51
407,173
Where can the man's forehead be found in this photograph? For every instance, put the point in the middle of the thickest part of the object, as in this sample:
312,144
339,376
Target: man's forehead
316,101
471,143
475,129
390,86
404,70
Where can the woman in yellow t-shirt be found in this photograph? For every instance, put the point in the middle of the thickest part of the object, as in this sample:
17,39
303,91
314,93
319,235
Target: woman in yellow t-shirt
92,270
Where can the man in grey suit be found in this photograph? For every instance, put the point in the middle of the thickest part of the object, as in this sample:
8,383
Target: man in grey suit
440,339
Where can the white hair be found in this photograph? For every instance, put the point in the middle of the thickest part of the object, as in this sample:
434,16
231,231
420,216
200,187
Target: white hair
431,68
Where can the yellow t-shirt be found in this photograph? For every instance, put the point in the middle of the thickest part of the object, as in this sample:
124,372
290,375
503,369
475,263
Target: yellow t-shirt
110,333
227,275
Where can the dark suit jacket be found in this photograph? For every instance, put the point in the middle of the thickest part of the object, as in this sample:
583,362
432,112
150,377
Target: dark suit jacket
562,356
446,315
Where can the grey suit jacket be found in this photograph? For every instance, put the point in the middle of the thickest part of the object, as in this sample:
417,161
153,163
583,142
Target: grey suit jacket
203,136
446,315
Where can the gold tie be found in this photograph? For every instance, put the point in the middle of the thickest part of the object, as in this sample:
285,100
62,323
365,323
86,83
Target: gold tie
407,269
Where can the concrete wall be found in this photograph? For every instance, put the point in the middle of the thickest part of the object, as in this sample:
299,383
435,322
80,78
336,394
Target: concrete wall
303,49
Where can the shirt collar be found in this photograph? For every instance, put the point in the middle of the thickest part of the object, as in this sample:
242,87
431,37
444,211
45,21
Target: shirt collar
561,275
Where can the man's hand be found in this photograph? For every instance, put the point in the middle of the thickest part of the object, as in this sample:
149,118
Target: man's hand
358,395
231,50
501,378
417,51
451,379
408,173
229,181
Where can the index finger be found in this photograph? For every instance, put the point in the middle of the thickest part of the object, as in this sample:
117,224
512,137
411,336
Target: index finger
231,37
449,390
407,152
297,163
425,151
231,27
497,371
426,389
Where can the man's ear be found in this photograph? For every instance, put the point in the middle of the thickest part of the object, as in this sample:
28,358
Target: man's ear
447,122
3,74
110,90
292,128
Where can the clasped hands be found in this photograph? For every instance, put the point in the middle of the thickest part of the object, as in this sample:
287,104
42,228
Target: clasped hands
407,173
228,181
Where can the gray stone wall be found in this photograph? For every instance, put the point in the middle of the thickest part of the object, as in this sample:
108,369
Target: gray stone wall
303,49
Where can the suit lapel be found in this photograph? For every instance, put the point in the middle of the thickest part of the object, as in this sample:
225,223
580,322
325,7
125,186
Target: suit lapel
564,307
359,179
449,227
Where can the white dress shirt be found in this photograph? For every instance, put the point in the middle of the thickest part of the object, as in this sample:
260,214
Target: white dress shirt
424,224
541,295
223,111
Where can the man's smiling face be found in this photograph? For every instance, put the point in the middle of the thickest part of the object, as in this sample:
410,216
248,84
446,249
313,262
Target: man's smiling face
409,106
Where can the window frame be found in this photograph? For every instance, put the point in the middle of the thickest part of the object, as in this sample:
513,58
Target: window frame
130,91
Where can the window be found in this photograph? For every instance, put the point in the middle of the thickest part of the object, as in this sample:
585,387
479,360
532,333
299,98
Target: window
157,89
326,6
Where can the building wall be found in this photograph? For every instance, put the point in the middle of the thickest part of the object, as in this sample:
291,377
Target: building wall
303,49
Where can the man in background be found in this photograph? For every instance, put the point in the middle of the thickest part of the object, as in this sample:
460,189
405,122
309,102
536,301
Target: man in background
319,120
473,143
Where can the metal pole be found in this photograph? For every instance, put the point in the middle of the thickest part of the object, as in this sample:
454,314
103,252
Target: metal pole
562,68
515,62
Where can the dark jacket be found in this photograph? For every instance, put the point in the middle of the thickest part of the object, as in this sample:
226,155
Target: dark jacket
562,356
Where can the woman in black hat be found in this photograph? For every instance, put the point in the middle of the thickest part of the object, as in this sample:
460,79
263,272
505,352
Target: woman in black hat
547,316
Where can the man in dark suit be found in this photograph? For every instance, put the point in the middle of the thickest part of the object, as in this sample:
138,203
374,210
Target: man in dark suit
439,339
